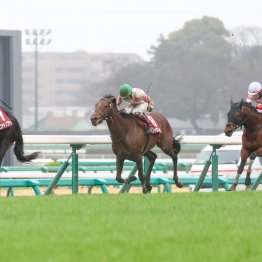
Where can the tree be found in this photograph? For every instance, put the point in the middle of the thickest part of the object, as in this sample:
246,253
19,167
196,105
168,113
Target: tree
194,60
195,71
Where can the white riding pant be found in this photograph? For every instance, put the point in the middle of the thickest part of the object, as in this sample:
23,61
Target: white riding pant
140,108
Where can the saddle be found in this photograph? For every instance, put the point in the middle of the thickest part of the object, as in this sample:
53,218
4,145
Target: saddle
154,128
5,122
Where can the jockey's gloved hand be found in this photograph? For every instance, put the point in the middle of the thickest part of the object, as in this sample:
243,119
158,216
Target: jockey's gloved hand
259,108
149,108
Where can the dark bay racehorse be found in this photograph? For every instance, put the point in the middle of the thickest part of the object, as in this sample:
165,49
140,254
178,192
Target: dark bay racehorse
244,114
10,135
129,140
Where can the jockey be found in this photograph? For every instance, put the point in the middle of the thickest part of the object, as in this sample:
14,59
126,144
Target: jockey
139,102
255,94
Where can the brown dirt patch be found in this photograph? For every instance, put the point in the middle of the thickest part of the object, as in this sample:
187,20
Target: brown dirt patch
84,190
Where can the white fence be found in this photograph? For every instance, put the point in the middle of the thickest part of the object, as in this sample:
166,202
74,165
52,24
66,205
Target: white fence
103,139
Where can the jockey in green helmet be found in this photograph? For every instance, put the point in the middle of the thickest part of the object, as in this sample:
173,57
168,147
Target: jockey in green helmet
125,90
139,103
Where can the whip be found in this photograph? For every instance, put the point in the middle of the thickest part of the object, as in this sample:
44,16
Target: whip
6,104
148,88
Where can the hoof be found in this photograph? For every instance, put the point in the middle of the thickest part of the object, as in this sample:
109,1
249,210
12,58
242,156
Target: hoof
232,187
247,181
179,184
132,178
144,190
149,188
120,180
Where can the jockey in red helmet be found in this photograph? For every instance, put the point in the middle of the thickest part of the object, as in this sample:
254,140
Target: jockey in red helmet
255,94
139,102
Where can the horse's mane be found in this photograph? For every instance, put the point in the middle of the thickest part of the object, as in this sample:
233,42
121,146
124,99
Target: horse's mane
121,112
245,104
250,106
109,96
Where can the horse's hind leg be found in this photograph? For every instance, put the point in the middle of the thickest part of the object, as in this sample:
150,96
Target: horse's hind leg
175,177
4,146
172,152
152,158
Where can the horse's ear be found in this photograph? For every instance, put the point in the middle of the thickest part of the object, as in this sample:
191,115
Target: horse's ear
114,101
241,102
231,101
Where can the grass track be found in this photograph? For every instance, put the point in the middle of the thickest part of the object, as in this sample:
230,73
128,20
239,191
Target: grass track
132,227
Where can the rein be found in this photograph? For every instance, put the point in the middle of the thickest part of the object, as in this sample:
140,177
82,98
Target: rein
244,120
108,118
241,122
6,104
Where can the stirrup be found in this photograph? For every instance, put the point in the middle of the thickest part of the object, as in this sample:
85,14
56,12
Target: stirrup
148,129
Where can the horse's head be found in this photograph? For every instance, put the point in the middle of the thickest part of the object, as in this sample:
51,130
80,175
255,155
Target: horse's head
102,109
234,118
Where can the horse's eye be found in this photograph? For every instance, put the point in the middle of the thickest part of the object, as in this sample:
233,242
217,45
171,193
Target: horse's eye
237,115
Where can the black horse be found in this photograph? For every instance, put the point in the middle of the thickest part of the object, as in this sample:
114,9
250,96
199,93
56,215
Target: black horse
10,135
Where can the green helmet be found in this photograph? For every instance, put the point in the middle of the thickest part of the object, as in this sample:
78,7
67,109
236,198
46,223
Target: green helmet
125,90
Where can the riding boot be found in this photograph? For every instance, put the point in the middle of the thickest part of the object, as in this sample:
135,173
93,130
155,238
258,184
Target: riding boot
144,119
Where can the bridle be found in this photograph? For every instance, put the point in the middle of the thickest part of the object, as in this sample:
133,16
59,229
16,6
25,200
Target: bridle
108,118
109,107
239,122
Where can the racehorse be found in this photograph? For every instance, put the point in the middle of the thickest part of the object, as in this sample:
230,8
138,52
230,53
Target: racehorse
129,140
244,114
10,132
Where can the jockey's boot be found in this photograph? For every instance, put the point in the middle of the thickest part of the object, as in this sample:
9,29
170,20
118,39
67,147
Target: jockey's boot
144,119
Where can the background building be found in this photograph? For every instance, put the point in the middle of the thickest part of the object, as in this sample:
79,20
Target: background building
64,79
10,76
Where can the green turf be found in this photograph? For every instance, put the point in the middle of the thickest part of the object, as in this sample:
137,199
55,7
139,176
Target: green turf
132,227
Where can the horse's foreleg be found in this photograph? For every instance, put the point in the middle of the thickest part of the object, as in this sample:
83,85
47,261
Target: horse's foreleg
244,156
141,176
119,169
152,158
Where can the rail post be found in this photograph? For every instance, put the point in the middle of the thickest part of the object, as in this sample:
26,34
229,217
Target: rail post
203,175
57,177
75,168
215,168
214,160
126,187
256,183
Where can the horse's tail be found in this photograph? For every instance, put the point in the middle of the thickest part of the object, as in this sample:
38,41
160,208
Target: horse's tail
176,144
19,150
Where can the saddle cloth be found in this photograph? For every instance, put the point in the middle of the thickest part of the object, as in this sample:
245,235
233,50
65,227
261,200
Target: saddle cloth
4,120
155,129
